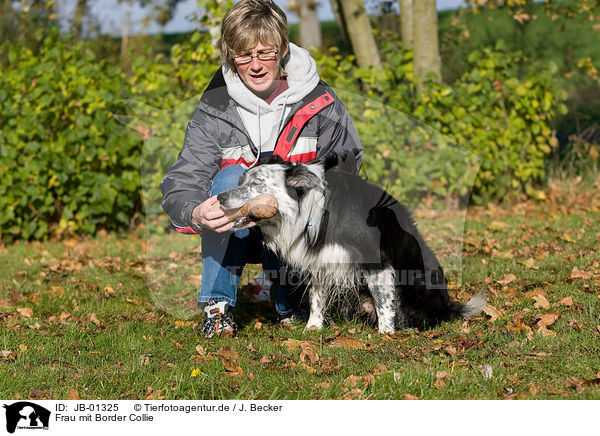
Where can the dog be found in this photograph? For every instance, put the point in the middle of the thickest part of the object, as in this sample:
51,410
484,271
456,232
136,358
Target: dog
358,245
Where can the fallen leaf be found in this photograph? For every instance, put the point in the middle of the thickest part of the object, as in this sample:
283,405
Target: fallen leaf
23,348
57,290
541,302
324,385
407,396
530,263
439,383
492,311
575,324
547,319
450,350
291,343
358,380
309,352
229,358
348,343
576,273
566,237
93,319
25,312
543,330
567,301
508,278
73,394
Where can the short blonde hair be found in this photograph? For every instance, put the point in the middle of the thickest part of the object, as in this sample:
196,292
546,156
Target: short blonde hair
250,22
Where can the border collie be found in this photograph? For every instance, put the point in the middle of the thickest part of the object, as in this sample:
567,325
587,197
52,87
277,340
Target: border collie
359,245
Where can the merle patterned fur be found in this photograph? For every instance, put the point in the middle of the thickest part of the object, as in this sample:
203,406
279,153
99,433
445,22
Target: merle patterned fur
359,246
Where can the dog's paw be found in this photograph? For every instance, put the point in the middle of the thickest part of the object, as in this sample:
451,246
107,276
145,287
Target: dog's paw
313,324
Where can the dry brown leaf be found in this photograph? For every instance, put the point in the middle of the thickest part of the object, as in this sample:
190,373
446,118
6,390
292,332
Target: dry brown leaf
492,311
291,343
575,324
348,343
308,351
358,380
229,358
57,290
324,385
576,273
25,312
439,383
407,396
543,330
567,301
508,278
541,302
547,319
73,394
450,350
93,319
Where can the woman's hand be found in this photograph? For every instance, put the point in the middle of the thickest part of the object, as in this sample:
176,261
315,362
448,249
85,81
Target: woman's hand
210,216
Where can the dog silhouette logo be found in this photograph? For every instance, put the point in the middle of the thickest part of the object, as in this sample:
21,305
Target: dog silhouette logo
26,415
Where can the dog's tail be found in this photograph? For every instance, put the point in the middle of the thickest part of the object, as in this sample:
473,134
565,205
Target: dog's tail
474,306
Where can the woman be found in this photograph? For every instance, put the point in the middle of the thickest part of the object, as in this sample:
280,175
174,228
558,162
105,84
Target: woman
266,99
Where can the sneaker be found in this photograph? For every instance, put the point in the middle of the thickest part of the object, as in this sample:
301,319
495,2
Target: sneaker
218,321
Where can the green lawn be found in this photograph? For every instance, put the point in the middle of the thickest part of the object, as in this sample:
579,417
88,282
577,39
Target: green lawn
82,318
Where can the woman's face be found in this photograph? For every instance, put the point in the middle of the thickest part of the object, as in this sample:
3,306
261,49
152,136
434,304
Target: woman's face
261,77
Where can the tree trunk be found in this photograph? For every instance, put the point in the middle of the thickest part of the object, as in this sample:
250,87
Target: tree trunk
425,40
125,19
310,27
361,33
406,22
78,17
339,19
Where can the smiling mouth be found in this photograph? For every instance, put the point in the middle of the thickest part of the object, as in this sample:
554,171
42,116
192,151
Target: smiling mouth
258,77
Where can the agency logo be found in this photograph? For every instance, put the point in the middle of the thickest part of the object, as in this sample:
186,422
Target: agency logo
26,415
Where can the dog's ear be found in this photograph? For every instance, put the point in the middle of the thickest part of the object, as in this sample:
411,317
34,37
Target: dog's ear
300,178
345,162
271,159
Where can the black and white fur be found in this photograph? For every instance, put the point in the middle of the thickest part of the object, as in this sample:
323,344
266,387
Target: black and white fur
358,244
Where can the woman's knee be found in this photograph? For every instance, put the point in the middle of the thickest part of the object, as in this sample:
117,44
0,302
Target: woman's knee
227,178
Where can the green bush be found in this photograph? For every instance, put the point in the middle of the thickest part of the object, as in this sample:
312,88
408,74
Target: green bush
68,165
490,117
72,159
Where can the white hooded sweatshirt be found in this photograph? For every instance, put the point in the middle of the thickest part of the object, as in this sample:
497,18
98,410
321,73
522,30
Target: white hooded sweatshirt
264,121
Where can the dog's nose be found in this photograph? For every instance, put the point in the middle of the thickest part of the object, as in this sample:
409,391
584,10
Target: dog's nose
221,197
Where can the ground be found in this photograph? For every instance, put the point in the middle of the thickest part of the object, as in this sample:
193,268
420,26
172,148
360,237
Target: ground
114,317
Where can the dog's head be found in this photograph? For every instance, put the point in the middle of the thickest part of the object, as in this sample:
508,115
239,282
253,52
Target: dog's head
288,182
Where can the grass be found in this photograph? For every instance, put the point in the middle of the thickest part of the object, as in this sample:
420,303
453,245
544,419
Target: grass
81,318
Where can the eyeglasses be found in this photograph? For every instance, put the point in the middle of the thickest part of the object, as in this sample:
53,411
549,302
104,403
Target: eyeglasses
264,56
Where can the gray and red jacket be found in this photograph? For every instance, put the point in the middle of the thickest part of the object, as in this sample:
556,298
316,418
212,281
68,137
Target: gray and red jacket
317,126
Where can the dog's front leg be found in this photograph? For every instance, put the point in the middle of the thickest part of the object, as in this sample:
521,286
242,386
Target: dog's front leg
316,297
382,288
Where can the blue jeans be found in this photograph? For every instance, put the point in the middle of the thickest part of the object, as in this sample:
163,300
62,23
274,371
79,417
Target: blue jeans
224,256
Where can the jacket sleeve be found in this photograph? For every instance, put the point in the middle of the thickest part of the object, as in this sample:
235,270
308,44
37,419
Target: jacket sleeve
188,182
337,134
